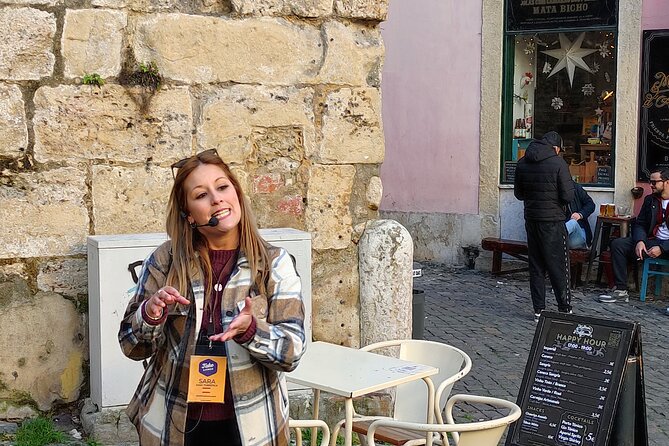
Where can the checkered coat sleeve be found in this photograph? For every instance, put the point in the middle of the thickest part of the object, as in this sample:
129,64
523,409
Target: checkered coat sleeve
255,370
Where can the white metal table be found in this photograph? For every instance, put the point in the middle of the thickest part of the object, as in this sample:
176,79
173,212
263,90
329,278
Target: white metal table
351,373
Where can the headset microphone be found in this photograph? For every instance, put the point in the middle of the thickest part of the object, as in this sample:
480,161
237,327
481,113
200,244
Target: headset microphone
213,221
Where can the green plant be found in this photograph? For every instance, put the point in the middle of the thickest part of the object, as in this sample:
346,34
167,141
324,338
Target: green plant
93,79
147,75
38,432
91,442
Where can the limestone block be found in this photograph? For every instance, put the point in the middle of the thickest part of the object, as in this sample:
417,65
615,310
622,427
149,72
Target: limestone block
92,42
362,9
44,214
33,2
374,193
328,216
335,296
352,130
198,49
84,123
13,269
48,367
14,135
354,55
301,8
230,116
385,253
67,276
26,43
130,200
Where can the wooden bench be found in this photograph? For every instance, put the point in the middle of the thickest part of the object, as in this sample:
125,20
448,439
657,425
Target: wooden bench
518,249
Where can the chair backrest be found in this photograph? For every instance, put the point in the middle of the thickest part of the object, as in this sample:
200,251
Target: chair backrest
411,398
481,433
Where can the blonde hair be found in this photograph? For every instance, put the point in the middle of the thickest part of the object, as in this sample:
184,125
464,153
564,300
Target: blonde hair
187,241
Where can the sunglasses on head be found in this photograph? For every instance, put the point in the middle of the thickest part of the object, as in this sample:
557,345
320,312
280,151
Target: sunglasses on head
179,164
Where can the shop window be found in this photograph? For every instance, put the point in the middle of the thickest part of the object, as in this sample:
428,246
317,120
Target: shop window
562,81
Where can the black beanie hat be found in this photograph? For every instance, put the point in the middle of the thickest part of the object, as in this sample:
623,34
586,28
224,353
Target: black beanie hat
553,139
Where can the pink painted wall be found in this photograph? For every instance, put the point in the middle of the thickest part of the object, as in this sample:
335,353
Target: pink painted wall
431,105
655,14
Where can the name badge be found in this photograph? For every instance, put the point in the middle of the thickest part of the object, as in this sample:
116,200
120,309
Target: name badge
206,383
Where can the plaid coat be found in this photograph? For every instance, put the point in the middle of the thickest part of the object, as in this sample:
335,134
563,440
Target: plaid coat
158,408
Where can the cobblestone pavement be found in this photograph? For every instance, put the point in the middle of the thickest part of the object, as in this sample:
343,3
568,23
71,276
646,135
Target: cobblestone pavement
491,319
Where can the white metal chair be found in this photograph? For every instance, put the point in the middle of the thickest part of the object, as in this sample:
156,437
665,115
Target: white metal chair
411,399
480,433
298,425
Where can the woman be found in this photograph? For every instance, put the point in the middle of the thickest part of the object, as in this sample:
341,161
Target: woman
215,289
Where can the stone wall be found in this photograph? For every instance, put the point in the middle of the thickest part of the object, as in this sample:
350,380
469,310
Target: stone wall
288,93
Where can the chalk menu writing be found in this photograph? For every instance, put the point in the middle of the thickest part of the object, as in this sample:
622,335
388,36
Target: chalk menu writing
571,385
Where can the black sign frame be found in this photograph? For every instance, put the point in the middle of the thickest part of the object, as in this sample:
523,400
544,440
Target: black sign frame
565,383
653,149
527,15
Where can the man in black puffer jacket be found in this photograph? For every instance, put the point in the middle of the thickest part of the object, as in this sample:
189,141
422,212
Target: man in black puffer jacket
545,186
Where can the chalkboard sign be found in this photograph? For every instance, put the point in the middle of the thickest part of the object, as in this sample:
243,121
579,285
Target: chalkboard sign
654,110
572,382
509,171
603,174
563,14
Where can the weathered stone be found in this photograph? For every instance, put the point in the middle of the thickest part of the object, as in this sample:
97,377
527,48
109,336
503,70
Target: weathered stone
354,55
8,428
14,135
83,123
9,411
352,130
280,174
48,367
129,200
26,42
203,6
335,296
92,42
362,9
68,276
13,269
107,427
328,216
385,253
301,8
197,49
54,201
374,193
230,117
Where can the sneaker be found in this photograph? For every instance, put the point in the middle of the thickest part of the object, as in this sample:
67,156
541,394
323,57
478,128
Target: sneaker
537,315
617,295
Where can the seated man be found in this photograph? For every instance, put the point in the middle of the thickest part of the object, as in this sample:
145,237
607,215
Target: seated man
578,227
650,235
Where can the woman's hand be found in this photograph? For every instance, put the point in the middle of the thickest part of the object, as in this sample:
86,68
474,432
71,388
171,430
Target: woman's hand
239,324
165,296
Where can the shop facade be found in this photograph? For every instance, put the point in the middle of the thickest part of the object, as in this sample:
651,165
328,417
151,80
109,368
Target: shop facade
570,66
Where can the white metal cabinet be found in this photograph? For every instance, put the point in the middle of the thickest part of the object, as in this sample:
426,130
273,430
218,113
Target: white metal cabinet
113,376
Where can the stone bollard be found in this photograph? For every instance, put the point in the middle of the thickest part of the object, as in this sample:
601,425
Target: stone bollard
385,253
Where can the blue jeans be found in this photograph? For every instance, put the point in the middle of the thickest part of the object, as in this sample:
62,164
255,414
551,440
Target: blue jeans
576,235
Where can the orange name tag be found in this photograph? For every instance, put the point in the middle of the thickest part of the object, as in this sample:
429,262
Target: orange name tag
206,383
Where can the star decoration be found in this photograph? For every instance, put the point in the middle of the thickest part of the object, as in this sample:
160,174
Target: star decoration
603,49
599,111
595,67
557,103
588,89
570,55
547,68
529,48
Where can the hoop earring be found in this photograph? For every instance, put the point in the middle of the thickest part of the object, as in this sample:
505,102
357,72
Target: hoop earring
183,214
193,225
